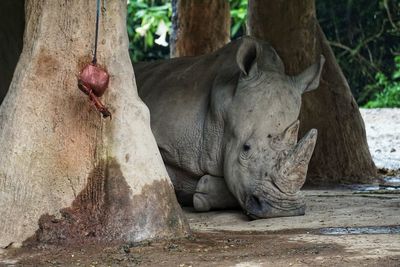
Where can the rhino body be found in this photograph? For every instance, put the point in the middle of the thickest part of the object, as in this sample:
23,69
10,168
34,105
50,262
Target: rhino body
226,126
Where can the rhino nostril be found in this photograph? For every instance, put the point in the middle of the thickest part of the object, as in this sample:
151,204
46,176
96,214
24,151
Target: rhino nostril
266,174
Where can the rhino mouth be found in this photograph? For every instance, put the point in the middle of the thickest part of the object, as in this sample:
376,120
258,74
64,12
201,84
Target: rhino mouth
261,208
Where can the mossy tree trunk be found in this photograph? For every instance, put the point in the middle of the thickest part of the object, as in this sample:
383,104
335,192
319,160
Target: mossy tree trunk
341,153
199,27
66,174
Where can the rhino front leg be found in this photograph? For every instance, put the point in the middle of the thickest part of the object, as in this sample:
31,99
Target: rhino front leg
184,184
212,193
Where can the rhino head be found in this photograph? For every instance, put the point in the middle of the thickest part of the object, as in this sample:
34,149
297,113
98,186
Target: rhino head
264,164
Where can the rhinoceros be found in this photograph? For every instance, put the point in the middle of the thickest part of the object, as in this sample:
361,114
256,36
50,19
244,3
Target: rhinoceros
226,124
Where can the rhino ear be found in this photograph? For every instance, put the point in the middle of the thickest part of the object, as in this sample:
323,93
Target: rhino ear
308,80
246,57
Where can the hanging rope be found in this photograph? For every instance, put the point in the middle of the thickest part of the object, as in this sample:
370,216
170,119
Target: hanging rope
93,79
96,38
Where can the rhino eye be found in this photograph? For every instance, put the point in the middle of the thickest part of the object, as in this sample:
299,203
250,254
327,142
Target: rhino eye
246,147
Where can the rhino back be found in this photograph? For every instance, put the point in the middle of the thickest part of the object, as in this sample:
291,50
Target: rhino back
177,92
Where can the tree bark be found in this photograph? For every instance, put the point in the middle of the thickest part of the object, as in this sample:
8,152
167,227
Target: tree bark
199,27
66,174
11,33
341,154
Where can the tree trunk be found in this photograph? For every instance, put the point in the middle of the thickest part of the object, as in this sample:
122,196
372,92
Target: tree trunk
66,174
199,27
341,153
11,33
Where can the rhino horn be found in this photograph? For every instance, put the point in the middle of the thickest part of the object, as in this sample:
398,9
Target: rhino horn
293,169
290,135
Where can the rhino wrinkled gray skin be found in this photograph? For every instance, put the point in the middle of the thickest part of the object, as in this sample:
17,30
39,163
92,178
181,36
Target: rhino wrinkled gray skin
226,125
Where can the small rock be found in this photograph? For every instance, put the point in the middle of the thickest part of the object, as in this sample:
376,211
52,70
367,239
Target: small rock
173,247
392,150
126,249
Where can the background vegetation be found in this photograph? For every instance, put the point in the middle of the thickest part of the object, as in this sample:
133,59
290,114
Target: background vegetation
364,34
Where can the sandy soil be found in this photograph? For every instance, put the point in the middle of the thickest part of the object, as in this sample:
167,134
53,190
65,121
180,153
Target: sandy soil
383,134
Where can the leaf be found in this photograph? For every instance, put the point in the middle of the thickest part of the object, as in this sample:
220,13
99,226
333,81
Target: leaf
235,28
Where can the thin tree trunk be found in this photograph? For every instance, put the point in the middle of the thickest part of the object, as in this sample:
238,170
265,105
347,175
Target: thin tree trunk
341,153
199,27
11,33
66,174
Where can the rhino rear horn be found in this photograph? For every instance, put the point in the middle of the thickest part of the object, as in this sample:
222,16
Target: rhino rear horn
290,135
309,79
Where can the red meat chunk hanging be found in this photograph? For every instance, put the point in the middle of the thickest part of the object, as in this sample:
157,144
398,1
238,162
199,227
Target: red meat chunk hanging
93,81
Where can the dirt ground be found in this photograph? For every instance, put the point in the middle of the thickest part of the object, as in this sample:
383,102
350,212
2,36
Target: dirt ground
227,249
343,226
360,206
357,226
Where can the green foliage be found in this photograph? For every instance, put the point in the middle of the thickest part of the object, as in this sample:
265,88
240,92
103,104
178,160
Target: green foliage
145,19
389,97
365,36
239,17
